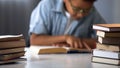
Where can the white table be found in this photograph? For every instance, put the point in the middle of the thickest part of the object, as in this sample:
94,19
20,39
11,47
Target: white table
58,61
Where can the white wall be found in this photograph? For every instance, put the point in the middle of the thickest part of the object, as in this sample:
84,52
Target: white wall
109,9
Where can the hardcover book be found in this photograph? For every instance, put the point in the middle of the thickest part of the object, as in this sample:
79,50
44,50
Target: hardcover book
107,27
10,37
108,34
106,54
109,40
106,61
107,47
12,44
12,61
11,50
11,56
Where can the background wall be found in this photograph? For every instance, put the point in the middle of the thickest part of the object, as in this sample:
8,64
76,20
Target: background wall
109,9
15,14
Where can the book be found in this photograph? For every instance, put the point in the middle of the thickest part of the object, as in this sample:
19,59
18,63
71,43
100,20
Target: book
11,56
106,61
108,47
107,27
106,54
55,50
12,44
12,61
108,34
11,50
109,40
10,37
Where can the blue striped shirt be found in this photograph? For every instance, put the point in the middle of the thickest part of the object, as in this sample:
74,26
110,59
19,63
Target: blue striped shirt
49,18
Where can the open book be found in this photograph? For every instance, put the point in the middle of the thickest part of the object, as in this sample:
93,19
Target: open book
35,49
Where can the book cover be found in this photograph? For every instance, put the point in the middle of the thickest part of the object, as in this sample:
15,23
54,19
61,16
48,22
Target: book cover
108,47
106,61
109,40
107,27
12,44
11,56
55,50
11,50
108,34
106,54
10,37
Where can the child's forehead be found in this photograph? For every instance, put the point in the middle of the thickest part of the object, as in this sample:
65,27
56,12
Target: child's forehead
81,4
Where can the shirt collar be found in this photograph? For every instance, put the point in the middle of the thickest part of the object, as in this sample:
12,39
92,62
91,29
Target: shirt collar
59,7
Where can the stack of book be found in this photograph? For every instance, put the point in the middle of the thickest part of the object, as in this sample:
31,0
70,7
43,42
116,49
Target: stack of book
108,46
11,48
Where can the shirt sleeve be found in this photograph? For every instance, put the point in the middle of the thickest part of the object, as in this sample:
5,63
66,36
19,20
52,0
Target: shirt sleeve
39,21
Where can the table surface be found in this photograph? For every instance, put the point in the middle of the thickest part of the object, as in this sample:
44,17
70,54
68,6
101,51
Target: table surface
81,60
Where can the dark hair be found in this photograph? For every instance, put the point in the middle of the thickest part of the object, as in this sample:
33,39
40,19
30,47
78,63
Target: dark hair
90,0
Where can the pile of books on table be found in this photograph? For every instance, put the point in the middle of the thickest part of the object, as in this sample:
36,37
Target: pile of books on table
108,47
11,48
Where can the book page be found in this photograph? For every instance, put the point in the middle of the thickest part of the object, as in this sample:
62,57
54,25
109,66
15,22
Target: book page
4,38
10,36
36,49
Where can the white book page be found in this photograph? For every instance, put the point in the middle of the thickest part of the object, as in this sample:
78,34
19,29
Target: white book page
10,36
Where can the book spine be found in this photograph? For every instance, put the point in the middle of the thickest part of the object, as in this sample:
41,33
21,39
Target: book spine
11,50
105,61
11,56
108,34
114,48
112,41
11,44
106,54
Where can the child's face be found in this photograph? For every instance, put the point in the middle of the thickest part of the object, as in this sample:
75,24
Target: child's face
78,8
